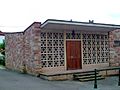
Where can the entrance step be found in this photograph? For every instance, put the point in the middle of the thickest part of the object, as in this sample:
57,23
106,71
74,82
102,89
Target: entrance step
88,76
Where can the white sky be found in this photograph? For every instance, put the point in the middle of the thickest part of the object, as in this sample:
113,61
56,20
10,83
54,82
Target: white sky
17,15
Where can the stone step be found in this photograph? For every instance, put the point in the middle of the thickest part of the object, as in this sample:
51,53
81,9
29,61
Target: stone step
85,74
90,79
85,77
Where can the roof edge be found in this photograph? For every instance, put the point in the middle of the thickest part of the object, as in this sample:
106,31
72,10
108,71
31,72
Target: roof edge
79,23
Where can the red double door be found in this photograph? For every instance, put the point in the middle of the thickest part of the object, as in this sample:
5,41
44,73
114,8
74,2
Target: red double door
73,53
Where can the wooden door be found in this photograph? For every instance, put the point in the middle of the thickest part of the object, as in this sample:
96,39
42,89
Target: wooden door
73,50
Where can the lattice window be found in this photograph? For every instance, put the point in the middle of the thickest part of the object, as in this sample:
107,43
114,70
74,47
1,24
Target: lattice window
52,49
95,48
70,36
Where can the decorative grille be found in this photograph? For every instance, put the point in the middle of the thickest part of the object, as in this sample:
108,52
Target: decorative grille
95,48
70,36
52,49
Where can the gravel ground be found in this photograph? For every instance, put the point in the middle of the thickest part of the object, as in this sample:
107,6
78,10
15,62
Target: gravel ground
10,80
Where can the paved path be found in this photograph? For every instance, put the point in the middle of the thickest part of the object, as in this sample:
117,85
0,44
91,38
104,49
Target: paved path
10,80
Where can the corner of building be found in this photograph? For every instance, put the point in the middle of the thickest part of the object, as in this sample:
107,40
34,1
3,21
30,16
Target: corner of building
114,50
23,50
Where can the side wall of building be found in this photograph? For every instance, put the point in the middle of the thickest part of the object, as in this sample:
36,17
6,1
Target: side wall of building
114,49
23,50
32,49
14,51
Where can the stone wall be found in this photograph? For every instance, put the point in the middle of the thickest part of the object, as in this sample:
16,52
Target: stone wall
32,48
114,50
23,50
14,50
36,48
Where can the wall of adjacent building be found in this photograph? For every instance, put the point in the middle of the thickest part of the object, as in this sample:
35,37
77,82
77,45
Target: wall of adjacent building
114,50
23,50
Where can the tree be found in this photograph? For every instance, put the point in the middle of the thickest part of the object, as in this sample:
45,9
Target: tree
2,47
2,53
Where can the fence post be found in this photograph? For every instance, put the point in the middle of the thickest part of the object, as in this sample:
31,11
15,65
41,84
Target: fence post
95,82
119,78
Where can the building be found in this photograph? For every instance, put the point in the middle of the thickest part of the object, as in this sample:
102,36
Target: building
58,46
1,33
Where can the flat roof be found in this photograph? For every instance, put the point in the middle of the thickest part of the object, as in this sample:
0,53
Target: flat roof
54,24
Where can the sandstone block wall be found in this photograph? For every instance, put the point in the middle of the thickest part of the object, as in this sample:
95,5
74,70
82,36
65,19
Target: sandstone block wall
14,50
114,50
23,49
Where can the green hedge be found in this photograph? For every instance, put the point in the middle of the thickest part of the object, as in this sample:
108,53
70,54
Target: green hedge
2,62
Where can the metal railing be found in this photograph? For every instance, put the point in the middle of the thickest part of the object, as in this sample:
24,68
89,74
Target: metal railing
106,69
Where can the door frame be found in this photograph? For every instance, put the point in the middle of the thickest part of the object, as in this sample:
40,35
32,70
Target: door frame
65,45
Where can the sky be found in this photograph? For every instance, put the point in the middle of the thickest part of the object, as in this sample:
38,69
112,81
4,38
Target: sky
17,15
1,39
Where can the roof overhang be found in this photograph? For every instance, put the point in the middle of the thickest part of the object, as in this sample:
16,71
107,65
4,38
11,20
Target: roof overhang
52,24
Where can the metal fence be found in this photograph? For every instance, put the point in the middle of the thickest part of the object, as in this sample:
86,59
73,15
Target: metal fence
106,69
